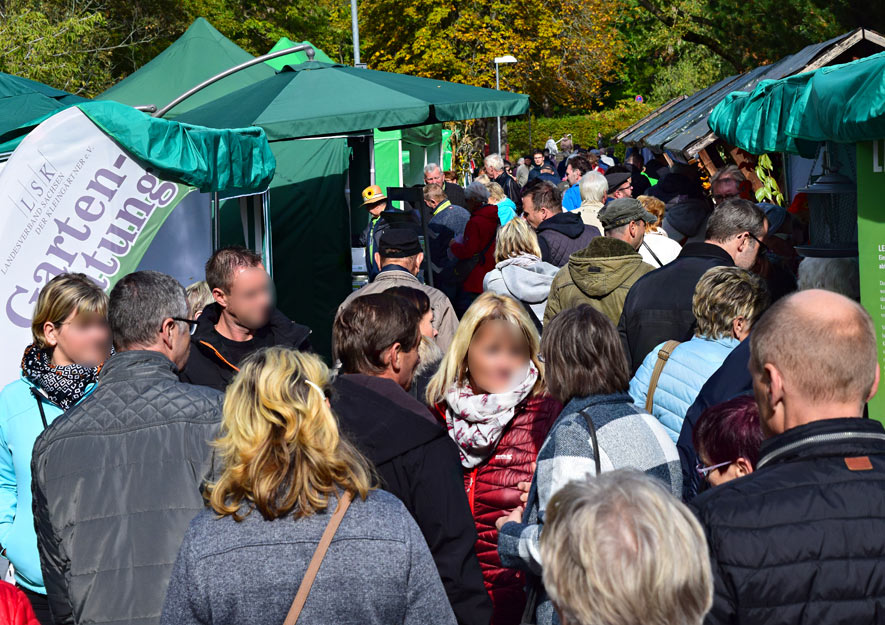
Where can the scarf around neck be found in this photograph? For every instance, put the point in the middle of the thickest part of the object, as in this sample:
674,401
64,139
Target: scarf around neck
476,422
64,385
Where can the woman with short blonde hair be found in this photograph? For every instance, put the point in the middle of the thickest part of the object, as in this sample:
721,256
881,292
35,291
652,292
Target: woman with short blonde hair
727,302
657,247
618,548
71,341
519,271
489,391
286,469
506,206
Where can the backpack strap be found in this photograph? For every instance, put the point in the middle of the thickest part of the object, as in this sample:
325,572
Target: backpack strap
663,356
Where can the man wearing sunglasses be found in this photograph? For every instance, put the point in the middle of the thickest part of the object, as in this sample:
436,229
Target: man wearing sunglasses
801,539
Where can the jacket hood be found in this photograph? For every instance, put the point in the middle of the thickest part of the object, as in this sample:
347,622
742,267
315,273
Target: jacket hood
603,266
568,224
283,329
527,277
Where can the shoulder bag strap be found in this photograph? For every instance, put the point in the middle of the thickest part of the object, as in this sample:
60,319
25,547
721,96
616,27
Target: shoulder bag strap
652,252
663,356
317,560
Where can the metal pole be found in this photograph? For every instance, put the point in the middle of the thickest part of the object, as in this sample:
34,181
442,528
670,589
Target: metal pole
355,29
498,87
233,70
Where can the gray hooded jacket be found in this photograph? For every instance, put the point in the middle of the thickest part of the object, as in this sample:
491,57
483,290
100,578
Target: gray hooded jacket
526,278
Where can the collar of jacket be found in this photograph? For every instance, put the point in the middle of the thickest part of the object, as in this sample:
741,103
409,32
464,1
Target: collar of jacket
137,363
576,404
394,272
442,206
606,247
281,327
706,250
847,437
568,223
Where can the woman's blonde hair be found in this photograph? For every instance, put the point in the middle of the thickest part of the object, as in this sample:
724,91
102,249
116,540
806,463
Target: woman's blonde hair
515,238
724,294
65,294
496,193
199,295
487,307
654,206
280,443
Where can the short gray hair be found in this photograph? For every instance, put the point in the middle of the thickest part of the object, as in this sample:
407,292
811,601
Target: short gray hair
138,305
593,187
734,217
431,167
477,192
495,161
618,548
839,275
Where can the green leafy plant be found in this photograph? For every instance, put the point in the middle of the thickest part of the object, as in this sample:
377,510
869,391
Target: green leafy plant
770,190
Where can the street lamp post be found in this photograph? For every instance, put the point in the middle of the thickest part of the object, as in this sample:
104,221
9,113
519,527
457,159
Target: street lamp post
498,61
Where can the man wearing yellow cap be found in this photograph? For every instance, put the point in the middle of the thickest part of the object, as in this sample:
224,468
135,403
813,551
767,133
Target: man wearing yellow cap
375,202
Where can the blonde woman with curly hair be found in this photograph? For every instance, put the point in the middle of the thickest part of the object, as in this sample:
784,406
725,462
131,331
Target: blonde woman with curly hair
490,393
286,471
727,302
657,247
519,271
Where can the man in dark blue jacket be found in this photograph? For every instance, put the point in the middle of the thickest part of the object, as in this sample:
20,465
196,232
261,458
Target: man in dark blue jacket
801,539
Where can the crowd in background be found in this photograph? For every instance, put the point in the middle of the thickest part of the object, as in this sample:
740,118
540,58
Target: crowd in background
622,399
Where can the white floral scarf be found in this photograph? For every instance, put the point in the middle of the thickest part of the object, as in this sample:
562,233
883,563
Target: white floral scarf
476,422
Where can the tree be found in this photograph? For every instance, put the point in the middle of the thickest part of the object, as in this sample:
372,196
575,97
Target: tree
566,49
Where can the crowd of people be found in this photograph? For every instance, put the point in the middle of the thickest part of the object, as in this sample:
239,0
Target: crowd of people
623,400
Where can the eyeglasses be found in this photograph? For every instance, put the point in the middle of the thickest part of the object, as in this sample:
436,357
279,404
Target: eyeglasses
705,471
192,324
718,199
762,247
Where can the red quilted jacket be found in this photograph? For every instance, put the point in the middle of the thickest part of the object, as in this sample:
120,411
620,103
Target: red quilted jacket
492,493
479,235
15,609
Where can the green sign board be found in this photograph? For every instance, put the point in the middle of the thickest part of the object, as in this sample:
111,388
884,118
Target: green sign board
871,248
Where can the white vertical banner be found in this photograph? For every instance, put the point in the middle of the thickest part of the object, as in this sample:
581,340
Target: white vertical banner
71,200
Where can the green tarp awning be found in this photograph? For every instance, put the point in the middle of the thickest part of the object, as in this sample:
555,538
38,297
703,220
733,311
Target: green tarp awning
296,57
206,158
842,103
200,53
21,100
314,99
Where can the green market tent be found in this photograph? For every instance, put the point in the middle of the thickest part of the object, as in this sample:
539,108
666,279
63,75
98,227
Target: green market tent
200,53
841,103
314,99
296,57
22,99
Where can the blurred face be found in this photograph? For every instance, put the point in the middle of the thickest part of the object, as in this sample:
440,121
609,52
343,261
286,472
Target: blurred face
427,328
725,189
531,214
538,159
572,175
180,344
377,208
249,300
625,190
80,339
731,471
491,172
497,358
402,364
435,177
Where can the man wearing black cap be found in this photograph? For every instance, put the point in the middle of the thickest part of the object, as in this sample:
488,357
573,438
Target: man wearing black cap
602,273
620,184
400,256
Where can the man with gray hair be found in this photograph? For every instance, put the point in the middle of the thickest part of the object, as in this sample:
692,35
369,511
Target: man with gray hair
802,538
496,171
117,480
433,175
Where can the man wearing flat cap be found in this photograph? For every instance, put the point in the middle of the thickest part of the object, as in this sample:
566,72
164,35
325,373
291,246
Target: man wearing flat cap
602,273
399,255
620,184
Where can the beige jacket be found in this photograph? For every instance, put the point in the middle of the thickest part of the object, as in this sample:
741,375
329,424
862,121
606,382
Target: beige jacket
589,212
444,319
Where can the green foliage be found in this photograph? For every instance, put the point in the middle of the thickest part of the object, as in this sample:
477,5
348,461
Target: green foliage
769,191
583,128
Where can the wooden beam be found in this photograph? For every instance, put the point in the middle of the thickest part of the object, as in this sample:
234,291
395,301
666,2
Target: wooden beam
746,162
668,159
707,162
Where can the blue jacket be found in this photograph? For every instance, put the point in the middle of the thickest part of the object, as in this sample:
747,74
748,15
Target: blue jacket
506,210
571,199
20,425
689,367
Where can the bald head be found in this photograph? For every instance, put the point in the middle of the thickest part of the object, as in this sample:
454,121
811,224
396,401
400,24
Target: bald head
822,345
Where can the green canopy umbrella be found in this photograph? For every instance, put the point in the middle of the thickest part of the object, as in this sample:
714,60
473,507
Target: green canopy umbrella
200,53
314,99
21,100
842,103
296,57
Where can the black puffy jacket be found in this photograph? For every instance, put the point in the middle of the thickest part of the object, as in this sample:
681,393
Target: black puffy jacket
116,481
658,306
802,539
213,363
562,235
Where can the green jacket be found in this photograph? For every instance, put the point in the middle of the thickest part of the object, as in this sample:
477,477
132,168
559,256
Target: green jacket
600,275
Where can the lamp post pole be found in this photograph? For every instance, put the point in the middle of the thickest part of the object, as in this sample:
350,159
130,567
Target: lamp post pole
355,29
498,61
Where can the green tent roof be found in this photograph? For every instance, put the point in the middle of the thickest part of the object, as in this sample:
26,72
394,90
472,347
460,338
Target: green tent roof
21,100
296,57
842,103
314,99
200,53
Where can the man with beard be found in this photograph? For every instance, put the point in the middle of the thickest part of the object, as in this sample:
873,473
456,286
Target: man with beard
241,321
